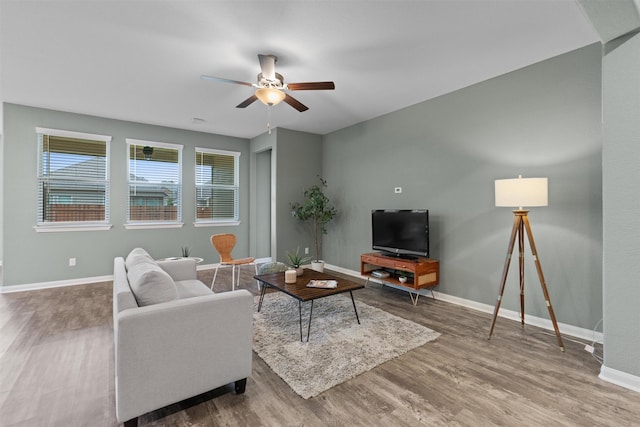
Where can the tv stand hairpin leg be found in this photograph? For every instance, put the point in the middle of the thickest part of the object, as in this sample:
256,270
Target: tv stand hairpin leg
414,295
425,272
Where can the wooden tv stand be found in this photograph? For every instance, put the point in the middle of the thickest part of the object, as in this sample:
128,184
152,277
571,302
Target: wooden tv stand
421,272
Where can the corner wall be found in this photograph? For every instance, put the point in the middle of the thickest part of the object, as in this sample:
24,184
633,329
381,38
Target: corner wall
299,164
619,28
621,181
296,163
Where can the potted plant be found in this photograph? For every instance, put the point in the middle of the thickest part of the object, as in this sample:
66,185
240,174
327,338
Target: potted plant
316,210
296,260
186,251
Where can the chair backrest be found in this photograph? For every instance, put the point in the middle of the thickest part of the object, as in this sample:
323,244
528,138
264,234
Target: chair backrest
224,244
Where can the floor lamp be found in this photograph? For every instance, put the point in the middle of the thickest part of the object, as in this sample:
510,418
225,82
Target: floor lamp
521,192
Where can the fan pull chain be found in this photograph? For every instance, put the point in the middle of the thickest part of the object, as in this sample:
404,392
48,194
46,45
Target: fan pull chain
269,118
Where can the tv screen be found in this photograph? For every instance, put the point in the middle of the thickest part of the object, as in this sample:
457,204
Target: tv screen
401,232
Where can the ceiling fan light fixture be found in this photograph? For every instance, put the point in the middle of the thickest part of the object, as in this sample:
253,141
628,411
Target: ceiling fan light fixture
270,96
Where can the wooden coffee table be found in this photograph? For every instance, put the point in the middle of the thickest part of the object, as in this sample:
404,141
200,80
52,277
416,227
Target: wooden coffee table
302,293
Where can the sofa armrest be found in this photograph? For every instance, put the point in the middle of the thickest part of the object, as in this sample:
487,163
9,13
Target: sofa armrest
175,350
180,269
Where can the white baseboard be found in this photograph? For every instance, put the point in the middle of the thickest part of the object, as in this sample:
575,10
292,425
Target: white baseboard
82,281
574,331
620,378
54,284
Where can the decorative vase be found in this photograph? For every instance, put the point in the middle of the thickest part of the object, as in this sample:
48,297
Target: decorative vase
299,271
402,279
317,266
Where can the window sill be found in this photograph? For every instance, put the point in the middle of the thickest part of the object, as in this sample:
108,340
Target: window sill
215,223
71,227
148,225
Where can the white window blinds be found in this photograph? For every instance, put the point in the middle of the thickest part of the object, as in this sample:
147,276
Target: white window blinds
216,185
155,194
73,178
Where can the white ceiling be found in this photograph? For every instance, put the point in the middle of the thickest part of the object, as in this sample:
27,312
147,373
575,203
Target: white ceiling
141,60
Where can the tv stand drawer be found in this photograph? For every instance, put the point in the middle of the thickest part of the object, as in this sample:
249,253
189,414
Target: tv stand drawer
405,265
379,261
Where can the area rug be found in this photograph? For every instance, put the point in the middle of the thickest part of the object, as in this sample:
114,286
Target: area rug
338,349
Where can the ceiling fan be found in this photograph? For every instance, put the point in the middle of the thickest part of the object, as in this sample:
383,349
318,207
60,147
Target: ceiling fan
271,86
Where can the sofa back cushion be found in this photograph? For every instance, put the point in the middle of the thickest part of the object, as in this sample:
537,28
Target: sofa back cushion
149,283
135,255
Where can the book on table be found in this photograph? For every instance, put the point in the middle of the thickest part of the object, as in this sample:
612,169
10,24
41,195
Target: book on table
324,284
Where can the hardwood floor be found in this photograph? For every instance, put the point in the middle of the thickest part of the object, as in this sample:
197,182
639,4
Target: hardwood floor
56,369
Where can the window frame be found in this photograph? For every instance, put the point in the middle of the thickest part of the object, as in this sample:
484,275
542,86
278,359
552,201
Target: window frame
65,226
236,178
147,224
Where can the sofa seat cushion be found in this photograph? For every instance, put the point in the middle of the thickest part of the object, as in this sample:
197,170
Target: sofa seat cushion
192,288
149,283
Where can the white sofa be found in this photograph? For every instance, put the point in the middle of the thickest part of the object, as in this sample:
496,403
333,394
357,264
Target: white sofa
186,342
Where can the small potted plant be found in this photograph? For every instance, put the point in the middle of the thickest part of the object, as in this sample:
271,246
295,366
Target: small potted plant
316,210
296,260
186,251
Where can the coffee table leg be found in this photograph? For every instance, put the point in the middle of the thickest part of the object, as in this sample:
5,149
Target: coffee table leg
354,309
309,325
300,318
262,292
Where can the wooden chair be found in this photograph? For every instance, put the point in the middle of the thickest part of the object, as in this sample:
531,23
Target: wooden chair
224,244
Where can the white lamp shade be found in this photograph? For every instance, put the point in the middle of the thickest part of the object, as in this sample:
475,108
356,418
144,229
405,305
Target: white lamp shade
522,192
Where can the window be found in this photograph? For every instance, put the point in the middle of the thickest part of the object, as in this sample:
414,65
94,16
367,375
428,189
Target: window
216,186
155,196
73,181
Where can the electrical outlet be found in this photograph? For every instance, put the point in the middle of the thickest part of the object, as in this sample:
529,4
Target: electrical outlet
306,251
72,262
589,348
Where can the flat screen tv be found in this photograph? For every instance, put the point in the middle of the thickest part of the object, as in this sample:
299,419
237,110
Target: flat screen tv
402,232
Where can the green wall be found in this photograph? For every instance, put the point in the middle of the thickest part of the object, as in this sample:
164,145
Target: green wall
542,120
299,164
619,29
621,181
31,257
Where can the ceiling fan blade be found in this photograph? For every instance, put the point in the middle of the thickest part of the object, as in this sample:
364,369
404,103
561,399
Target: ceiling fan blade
223,80
268,66
311,86
295,103
250,100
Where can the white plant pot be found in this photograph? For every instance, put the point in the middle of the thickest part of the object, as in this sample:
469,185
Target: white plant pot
299,271
317,266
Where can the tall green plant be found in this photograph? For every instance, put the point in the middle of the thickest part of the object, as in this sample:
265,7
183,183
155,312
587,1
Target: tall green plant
316,210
